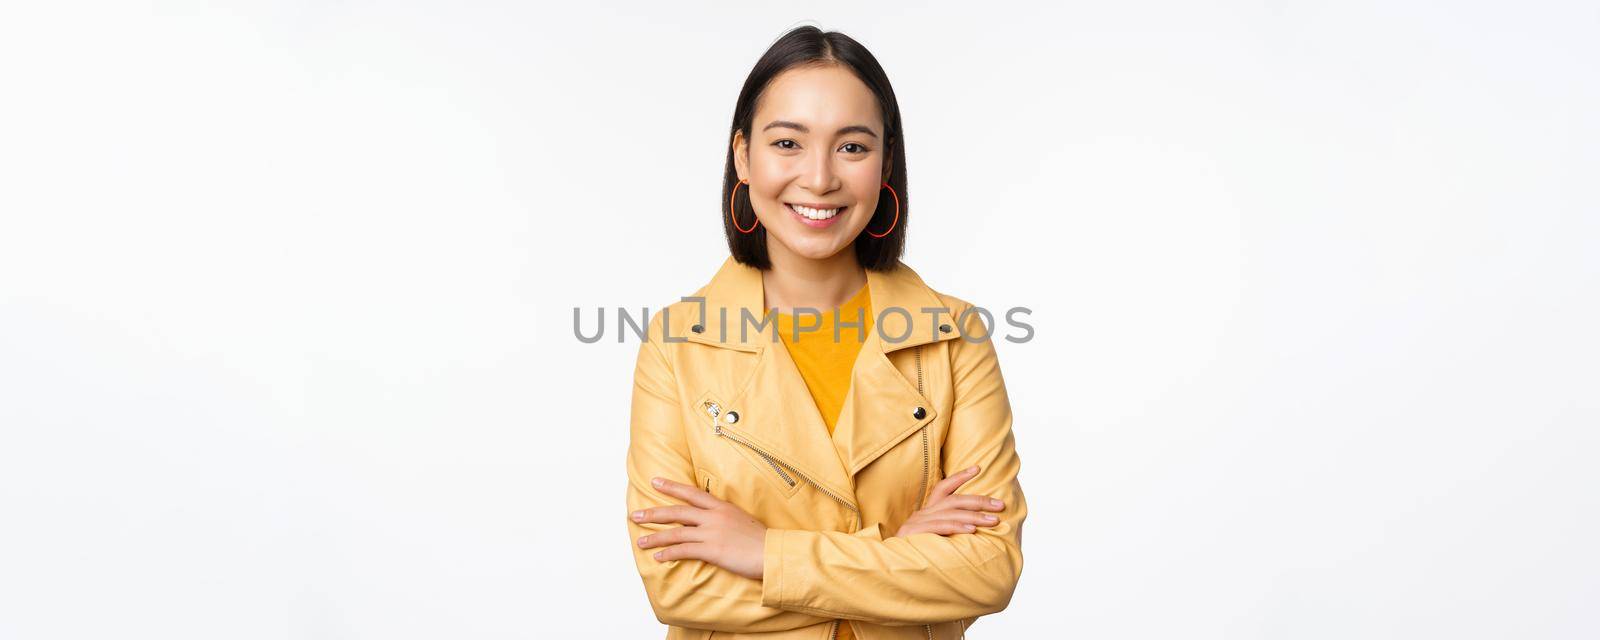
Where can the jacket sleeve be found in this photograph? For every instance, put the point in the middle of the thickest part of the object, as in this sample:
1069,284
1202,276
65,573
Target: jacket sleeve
683,593
924,577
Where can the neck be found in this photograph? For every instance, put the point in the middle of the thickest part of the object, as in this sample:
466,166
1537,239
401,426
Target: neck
796,281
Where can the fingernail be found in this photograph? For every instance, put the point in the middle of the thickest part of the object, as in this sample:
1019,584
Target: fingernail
656,482
643,539
657,555
973,469
990,517
995,503
971,528
638,515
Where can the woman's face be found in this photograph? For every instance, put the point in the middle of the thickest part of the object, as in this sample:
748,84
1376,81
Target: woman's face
816,141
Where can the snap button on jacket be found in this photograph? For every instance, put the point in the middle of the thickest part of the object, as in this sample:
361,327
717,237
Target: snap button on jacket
718,403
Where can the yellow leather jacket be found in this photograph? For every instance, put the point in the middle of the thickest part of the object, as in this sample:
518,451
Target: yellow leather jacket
728,411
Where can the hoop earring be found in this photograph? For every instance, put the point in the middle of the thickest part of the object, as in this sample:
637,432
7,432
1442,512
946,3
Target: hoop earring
896,213
733,214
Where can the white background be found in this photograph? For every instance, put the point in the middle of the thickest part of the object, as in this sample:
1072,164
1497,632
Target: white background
286,296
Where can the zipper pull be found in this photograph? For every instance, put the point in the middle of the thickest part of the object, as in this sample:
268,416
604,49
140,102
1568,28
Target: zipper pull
713,409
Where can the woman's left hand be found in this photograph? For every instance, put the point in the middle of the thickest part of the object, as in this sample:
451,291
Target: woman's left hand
716,531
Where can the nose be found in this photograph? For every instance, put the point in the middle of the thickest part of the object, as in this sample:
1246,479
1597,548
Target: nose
819,176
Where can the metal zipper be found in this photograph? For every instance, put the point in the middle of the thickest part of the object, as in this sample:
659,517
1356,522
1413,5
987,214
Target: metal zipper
918,354
778,466
714,410
923,494
772,462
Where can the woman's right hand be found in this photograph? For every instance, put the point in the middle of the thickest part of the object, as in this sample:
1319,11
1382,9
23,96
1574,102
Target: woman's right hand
949,513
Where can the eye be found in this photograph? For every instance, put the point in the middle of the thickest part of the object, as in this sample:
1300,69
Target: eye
852,144
779,144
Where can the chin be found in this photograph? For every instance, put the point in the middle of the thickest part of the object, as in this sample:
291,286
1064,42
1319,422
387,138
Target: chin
820,255
814,250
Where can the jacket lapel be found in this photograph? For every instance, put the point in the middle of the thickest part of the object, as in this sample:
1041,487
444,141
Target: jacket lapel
880,408
775,406
783,419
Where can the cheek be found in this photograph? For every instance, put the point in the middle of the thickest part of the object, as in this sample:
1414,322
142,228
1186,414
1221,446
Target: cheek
866,174
770,166
767,179
867,189
866,182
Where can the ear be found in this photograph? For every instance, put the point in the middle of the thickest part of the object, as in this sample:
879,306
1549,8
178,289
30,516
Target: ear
741,162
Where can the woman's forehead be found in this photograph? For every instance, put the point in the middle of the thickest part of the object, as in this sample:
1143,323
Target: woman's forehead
821,99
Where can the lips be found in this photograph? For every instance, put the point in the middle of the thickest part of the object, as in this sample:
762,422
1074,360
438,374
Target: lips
815,211
815,218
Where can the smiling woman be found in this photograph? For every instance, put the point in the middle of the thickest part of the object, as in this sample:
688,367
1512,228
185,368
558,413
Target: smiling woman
827,149
807,487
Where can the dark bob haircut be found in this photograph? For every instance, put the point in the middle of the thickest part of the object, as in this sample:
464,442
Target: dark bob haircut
810,46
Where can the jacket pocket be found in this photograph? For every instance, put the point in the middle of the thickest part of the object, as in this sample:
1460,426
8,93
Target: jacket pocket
707,481
773,472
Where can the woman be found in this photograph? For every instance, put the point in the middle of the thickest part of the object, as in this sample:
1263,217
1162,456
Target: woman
795,476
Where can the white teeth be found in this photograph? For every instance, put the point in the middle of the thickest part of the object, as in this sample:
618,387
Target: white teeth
815,214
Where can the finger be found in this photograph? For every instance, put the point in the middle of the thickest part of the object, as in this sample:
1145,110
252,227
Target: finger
671,513
913,527
688,492
963,515
950,527
910,529
970,502
694,550
948,485
674,535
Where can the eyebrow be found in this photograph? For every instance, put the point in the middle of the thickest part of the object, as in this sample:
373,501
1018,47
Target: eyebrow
804,129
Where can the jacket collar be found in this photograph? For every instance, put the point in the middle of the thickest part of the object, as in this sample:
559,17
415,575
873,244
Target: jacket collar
779,416
734,310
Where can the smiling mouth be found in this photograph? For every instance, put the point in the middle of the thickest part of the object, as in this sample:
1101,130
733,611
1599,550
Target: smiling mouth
815,214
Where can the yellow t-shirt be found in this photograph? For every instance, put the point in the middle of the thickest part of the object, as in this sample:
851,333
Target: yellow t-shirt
823,362
826,364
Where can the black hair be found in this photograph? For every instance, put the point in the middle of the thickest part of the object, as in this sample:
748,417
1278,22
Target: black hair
810,46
